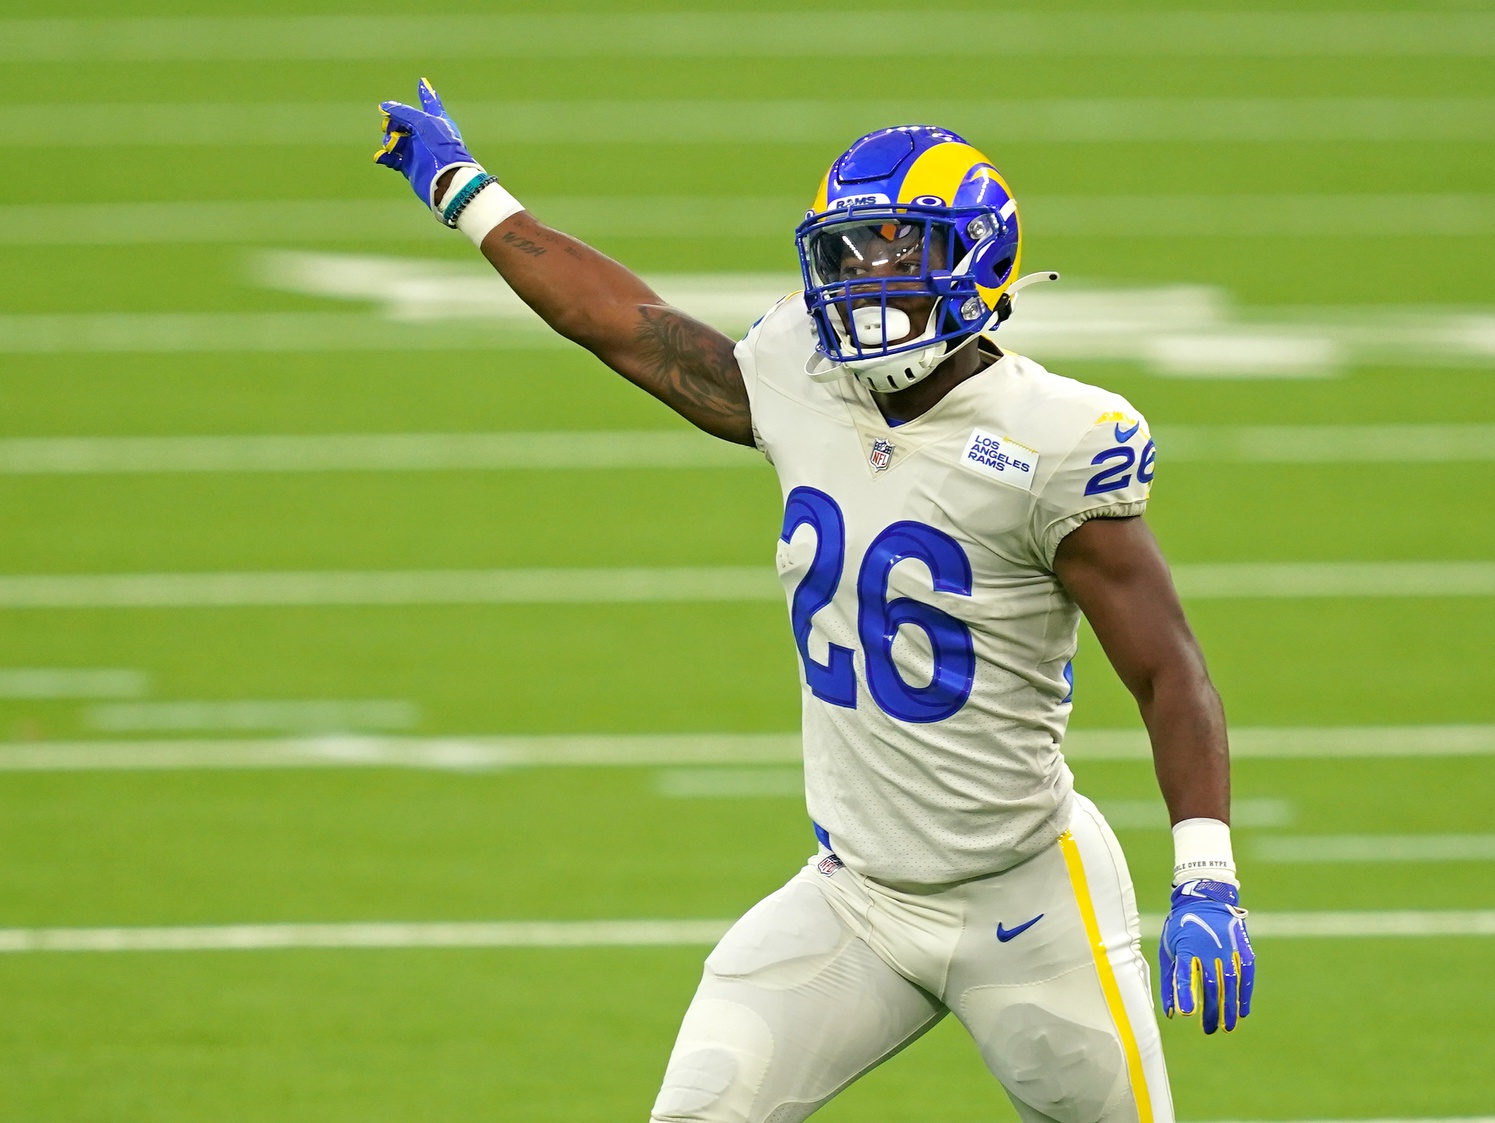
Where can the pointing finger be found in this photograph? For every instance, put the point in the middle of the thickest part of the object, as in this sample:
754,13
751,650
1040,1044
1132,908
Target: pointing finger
429,100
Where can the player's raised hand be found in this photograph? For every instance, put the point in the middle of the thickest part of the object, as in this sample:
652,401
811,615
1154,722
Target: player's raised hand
1207,963
422,143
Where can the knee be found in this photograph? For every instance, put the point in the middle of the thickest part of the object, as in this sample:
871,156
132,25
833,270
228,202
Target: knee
1067,1070
717,1067
1053,1057
697,1088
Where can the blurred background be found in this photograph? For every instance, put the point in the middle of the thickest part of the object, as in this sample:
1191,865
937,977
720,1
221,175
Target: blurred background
335,593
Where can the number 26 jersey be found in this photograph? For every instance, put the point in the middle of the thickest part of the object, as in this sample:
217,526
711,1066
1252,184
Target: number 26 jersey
934,638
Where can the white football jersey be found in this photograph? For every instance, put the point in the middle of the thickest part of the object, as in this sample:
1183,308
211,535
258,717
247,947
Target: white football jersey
934,638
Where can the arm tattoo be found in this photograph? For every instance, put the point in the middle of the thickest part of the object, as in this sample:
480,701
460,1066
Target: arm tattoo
691,368
523,245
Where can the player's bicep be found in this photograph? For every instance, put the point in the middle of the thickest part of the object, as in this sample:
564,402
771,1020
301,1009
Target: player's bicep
1115,571
688,365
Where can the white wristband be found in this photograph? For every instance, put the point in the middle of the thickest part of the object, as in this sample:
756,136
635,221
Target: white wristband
483,211
1201,852
488,208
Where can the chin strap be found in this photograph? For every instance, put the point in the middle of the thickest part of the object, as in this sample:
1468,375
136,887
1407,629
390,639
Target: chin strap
1004,302
821,368
1031,279
1002,311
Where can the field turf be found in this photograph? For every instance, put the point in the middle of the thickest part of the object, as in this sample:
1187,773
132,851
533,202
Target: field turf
1345,1028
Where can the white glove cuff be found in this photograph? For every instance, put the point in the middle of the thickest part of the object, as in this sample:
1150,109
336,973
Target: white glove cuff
464,175
1201,852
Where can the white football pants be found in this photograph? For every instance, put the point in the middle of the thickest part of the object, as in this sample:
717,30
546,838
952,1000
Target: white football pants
834,973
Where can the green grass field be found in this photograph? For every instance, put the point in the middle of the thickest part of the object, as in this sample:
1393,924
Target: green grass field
1330,105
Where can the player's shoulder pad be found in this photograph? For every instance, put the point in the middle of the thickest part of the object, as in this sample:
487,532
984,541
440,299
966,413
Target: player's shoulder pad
788,315
1059,413
1096,455
777,347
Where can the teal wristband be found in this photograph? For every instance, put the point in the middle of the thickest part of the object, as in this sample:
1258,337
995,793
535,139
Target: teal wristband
452,210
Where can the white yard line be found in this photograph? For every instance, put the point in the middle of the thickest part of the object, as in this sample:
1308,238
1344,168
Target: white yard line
778,122
789,783
653,448
1376,848
672,749
646,216
335,715
1207,581
459,934
479,586
630,933
35,683
752,35
175,332
1231,580
1346,742
384,452
731,783
453,753
1316,444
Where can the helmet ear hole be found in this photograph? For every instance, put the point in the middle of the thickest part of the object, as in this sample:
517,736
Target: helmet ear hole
991,262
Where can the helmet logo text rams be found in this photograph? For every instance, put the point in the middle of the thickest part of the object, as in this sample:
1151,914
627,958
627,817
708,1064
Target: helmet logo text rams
859,201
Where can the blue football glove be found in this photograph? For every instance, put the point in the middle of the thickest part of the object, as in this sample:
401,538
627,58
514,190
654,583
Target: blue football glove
422,143
1206,956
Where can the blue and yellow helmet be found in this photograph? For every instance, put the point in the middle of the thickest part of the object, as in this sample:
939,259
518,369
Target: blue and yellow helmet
911,223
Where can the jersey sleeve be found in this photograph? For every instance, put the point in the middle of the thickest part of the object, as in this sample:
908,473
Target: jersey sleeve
1107,474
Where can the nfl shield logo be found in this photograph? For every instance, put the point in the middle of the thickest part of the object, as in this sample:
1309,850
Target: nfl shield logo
882,454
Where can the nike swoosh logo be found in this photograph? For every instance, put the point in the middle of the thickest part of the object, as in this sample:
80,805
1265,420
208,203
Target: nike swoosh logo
1122,436
1188,916
1005,934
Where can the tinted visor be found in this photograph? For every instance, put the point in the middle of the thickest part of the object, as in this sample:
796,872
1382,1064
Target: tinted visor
878,249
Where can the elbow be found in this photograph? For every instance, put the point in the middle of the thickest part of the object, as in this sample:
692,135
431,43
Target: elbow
597,327
1178,679
574,320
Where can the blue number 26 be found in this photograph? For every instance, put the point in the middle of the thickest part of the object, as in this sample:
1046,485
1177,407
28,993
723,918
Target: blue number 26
878,619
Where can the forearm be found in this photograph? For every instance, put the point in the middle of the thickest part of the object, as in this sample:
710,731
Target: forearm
581,293
584,295
1186,725
594,301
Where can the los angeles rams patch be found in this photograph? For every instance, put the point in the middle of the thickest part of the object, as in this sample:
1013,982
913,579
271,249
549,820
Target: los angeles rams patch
1001,458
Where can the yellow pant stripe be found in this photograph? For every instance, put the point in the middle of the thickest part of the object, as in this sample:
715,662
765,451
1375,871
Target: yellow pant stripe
1108,985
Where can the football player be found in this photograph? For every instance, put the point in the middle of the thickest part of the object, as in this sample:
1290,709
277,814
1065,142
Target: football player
950,509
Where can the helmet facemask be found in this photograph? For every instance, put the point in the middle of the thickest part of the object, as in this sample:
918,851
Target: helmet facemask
887,305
